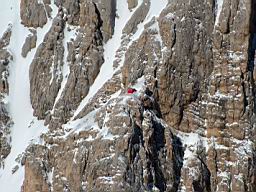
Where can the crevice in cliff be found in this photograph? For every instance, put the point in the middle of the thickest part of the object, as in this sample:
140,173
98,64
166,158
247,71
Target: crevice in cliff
158,143
245,102
178,158
205,183
135,141
174,36
253,171
216,169
253,17
250,179
147,155
99,25
84,166
252,51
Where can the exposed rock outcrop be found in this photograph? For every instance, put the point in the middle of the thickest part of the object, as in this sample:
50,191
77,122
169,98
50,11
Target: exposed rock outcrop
106,8
139,16
34,13
189,126
132,3
5,121
183,77
29,44
85,59
95,22
136,153
45,70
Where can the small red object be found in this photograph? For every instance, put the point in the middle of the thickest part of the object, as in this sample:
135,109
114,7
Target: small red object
131,90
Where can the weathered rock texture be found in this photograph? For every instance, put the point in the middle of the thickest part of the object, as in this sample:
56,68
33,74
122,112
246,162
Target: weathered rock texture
85,58
45,70
190,126
5,121
135,154
132,3
76,10
139,15
34,13
206,87
94,21
29,44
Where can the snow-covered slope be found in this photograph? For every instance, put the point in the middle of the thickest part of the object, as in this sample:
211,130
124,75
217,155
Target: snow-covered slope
117,42
188,126
110,48
26,128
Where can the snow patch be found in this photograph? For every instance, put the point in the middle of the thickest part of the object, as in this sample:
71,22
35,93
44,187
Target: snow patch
218,10
156,8
26,128
110,49
68,36
191,141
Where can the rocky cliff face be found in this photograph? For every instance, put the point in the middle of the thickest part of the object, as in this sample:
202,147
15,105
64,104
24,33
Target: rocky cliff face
5,121
190,126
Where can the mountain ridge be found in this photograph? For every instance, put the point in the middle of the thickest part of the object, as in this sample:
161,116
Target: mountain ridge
68,124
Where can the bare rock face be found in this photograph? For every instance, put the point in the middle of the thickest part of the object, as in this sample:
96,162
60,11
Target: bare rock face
139,15
132,3
231,96
5,121
191,60
72,8
45,78
29,44
85,59
189,127
126,157
203,86
34,175
105,8
5,125
139,60
34,13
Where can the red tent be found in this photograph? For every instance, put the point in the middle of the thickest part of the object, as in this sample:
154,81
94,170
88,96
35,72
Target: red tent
131,90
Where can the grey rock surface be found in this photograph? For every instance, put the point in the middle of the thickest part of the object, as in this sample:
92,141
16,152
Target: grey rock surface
5,120
189,127
29,44
33,13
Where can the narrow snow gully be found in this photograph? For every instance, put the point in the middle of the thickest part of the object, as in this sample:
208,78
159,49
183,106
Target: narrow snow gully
219,4
252,48
26,128
68,35
112,47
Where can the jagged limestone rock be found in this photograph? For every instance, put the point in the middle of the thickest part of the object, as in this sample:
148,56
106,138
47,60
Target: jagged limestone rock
105,8
139,16
29,44
203,85
85,58
107,11
5,121
132,3
45,70
116,160
33,13
192,130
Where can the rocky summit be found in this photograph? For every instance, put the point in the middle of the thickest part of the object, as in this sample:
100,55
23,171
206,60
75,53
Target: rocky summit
128,96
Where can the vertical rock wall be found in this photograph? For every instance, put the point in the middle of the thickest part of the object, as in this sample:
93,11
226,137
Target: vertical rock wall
190,126
5,121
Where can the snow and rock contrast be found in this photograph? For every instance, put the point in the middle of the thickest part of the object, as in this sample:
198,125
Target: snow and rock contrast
68,123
